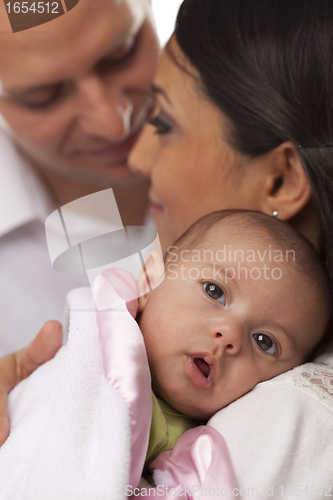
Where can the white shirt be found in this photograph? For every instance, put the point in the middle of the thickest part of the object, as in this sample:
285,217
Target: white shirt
31,292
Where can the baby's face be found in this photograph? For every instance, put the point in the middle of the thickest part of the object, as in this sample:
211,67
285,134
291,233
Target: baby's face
214,329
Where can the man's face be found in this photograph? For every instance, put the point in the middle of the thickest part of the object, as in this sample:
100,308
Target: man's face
76,91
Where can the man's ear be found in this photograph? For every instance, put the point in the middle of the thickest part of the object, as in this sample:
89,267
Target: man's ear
286,189
150,277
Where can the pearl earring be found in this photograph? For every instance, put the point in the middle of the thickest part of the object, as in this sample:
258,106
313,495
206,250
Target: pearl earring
275,213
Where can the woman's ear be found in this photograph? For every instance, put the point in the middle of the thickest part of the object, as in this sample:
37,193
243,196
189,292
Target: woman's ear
287,189
151,275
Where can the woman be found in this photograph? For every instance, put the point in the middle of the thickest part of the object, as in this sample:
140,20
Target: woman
244,119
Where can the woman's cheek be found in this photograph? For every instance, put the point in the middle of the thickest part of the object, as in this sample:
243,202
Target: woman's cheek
166,235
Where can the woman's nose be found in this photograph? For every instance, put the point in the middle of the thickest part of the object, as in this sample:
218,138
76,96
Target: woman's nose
104,112
143,154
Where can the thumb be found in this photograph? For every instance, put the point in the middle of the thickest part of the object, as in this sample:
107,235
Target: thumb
43,348
19,365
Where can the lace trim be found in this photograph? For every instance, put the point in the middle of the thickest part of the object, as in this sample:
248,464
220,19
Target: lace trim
317,379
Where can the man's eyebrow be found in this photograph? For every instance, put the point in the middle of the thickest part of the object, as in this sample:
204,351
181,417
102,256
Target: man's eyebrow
20,92
16,93
159,90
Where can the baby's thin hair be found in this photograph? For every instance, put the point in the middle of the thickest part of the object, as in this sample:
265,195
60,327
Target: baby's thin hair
307,261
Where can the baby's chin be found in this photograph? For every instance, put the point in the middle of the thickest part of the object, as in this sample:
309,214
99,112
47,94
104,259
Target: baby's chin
187,410
195,413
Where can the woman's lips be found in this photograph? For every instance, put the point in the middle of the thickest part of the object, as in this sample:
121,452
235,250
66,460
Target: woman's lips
199,370
155,208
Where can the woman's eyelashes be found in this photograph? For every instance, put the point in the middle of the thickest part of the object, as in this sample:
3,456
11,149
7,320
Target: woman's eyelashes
214,292
266,344
160,123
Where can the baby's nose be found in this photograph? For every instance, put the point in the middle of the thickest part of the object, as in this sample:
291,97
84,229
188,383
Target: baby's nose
230,336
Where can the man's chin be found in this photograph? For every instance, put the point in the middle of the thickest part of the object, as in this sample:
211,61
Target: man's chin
87,173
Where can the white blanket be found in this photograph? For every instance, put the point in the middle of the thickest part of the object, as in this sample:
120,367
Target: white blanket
280,435
70,430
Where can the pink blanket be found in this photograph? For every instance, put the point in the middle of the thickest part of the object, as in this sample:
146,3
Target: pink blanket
200,461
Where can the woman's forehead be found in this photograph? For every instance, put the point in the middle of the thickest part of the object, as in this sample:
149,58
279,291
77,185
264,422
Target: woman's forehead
175,75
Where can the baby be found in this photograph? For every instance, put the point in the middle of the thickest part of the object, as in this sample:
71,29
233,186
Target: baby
244,299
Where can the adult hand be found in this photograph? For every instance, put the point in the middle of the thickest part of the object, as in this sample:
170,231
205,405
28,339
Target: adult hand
19,365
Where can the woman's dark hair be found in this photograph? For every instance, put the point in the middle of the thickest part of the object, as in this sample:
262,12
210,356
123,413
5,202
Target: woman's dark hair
268,66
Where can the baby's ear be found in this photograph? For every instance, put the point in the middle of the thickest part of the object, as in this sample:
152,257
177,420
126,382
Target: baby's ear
150,277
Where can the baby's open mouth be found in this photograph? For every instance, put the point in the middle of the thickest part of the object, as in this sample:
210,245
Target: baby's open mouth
200,370
203,366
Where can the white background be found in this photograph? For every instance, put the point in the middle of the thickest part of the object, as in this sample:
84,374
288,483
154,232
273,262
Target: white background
165,12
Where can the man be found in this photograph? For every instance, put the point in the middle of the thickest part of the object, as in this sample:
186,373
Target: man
74,94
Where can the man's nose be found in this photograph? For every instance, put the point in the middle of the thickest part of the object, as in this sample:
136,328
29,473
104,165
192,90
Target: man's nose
228,336
104,111
143,154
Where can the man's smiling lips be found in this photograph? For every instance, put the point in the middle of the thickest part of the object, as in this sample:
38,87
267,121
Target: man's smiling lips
111,150
200,369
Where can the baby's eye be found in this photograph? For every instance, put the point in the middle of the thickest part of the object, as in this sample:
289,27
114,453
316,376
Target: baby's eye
265,343
215,292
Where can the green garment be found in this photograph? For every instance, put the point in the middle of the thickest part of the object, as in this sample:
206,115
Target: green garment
167,426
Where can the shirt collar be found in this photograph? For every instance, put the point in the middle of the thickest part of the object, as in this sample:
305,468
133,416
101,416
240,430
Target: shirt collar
23,197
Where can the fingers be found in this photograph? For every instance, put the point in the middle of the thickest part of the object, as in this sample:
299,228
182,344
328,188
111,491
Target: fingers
18,366
7,382
43,348
4,421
